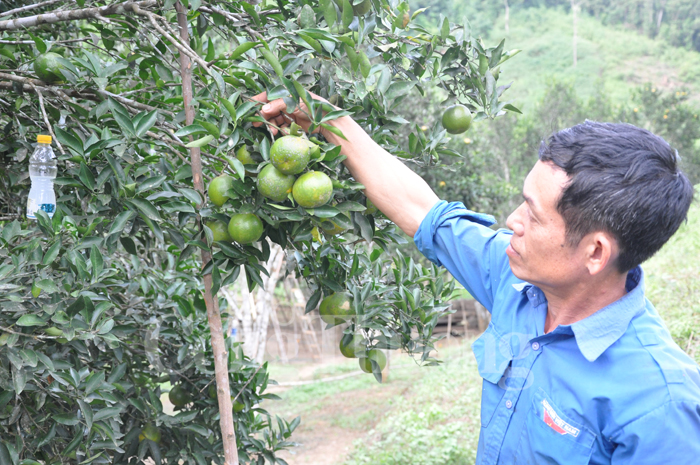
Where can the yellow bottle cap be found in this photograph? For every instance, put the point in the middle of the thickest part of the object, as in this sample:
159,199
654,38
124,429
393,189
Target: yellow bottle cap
42,139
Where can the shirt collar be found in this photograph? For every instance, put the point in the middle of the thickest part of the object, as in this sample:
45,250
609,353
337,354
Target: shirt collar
595,333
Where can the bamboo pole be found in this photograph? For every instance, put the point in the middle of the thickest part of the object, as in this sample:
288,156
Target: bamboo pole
218,343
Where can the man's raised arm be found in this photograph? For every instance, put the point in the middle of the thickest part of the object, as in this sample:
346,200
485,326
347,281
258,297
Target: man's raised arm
403,196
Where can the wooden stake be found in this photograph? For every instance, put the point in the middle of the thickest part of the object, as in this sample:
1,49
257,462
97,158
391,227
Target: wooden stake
218,344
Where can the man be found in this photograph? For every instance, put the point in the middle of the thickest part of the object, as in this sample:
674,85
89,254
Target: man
578,367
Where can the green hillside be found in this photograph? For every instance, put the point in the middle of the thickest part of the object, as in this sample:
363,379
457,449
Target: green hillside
673,282
612,57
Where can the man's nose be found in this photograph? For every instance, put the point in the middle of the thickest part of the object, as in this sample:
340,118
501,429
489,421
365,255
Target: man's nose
514,222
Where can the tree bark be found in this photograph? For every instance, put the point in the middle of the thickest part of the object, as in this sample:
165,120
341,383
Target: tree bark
218,343
72,15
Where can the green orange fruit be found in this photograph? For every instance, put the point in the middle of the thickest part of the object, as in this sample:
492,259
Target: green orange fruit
245,228
219,230
179,397
371,208
53,331
244,156
336,308
313,189
353,348
314,150
238,407
376,355
150,432
47,67
290,154
362,8
218,188
275,185
457,119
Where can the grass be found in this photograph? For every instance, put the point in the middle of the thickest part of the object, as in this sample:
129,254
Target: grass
673,283
436,422
430,415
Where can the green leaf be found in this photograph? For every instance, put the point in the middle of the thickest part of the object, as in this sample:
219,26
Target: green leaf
250,9
218,79
87,413
398,89
94,381
39,42
200,142
109,412
211,128
146,208
237,165
191,129
86,176
510,107
19,379
150,183
47,285
146,123
66,138
272,60
68,419
52,253
97,262
120,222
124,122
241,49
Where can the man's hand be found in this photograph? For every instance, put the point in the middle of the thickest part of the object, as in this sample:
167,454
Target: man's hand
276,113
397,191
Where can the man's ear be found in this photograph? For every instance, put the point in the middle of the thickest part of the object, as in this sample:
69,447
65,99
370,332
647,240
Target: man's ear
601,251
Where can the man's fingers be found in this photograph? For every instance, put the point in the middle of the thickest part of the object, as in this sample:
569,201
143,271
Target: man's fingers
261,97
273,109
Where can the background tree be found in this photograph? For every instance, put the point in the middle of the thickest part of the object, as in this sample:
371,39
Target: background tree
107,304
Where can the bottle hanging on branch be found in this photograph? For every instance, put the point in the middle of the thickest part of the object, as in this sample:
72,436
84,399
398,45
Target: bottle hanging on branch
42,172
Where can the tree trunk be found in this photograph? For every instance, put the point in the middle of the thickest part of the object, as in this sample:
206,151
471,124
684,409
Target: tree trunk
574,11
254,311
507,15
218,344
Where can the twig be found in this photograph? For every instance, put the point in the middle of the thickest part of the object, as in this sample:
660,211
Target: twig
247,382
35,336
180,45
72,15
134,103
690,340
31,42
27,8
46,120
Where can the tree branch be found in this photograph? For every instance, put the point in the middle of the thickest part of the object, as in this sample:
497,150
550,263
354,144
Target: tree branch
28,7
179,44
72,15
48,124
218,343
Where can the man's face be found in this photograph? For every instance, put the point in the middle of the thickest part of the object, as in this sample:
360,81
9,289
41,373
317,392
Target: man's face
538,252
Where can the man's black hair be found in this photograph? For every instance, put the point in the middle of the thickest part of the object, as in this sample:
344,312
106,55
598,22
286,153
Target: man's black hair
623,180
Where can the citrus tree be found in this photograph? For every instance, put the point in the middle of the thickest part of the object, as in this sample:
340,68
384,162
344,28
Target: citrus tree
113,299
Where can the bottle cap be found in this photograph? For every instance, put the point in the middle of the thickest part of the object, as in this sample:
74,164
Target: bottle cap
42,139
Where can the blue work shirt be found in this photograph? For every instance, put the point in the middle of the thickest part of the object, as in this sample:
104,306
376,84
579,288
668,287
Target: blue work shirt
612,388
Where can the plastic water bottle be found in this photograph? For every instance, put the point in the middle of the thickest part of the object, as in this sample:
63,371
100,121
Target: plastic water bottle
42,172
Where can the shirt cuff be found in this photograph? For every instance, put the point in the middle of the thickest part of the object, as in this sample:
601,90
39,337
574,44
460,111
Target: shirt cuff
438,214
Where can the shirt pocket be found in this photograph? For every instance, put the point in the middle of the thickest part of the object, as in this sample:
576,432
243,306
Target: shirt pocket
551,437
493,356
